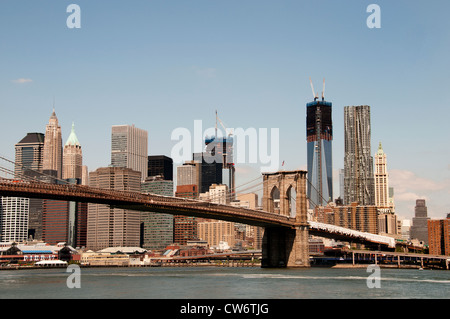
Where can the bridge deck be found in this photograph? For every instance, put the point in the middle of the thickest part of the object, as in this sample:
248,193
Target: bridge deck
178,206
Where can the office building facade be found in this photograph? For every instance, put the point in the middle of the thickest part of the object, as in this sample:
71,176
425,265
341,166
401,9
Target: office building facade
185,228
439,236
64,221
29,155
354,216
157,228
211,170
29,159
190,173
14,213
160,165
113,227
129,148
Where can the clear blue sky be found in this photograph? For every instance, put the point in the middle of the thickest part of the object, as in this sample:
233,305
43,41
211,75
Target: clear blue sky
163,64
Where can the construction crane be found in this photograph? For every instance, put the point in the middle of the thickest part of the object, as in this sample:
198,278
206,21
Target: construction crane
226,164
223,125
312,88
315,96
323,90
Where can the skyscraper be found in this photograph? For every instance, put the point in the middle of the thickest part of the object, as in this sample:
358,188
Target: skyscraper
419,227
358,162
64,221
72,157
319,137
29,155
160,165
14,218
381,181
113,227
129,148
157,232
53,147
190,173
29,163
219,155
210,172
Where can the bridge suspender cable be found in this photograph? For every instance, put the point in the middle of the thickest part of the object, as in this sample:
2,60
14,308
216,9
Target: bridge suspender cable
17,174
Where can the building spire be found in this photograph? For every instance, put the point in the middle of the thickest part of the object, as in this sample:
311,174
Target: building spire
53,114
73,140
380,149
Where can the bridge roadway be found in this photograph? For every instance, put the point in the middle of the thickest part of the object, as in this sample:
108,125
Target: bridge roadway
180,206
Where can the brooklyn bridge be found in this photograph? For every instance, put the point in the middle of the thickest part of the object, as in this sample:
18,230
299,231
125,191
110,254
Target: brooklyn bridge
286,228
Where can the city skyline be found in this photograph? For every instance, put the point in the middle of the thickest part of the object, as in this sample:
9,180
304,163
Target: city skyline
179,63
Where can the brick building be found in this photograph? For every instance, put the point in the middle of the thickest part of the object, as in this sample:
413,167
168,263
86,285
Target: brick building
439,236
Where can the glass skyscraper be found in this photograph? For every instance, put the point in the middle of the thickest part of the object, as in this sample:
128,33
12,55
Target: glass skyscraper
157,232
319,137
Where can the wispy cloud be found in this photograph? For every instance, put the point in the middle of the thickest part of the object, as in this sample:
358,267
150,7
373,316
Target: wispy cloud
22,80
404,181
408,187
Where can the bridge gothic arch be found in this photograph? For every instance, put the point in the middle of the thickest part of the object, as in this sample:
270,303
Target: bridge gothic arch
292,191
292,200
286,247
274,202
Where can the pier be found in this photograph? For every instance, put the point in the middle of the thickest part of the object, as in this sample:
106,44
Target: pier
362,258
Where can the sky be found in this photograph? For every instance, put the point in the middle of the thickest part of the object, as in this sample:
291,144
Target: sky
161,65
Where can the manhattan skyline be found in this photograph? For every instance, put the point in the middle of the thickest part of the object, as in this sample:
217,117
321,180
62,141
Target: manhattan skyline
161,67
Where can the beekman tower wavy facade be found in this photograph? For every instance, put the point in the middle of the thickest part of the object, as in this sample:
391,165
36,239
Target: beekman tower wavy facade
319,137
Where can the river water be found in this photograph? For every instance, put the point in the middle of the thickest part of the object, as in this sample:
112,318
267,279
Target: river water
224,283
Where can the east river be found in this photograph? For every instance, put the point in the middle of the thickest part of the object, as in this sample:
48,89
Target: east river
224,283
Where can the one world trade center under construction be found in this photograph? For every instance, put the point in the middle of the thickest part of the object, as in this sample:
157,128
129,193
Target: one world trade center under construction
319,137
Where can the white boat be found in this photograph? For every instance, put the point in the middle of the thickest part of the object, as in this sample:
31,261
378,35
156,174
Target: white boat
51,263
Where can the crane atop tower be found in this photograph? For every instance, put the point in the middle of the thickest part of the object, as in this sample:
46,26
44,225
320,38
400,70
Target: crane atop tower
312,88
224,146
315,95
323,90
223,125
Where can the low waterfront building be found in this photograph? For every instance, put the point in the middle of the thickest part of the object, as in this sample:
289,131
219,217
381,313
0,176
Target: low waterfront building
90,258
35,251
124,250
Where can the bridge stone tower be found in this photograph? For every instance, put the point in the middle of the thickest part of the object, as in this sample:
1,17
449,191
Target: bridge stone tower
284,193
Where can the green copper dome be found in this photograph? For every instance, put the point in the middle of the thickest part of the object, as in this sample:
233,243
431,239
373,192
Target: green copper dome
73,140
